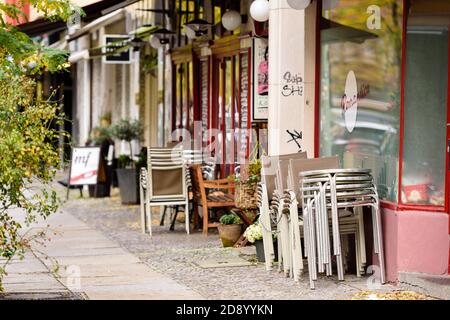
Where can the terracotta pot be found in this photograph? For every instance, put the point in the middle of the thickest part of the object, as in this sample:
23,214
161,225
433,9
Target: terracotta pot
229,233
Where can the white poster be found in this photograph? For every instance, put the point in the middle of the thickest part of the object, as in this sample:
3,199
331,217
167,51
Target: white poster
260,79
84,167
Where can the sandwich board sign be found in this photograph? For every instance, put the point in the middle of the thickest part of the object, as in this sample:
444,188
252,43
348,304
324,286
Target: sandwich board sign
86,167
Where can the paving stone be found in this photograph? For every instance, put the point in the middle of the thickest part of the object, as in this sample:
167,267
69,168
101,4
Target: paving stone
179,256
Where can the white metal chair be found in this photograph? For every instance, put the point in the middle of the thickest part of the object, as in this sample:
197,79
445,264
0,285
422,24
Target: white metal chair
269,197
166,183
331,190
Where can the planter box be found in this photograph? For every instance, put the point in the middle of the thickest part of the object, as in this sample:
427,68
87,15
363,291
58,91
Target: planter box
101,190
128,185
259,245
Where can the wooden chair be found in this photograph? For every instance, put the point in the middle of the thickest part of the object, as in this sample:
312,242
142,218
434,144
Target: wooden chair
208,200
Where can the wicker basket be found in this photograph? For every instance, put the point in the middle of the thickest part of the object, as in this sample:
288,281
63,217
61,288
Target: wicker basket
245,195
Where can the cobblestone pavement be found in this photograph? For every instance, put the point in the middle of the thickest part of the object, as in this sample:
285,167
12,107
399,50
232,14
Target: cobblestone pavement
177,255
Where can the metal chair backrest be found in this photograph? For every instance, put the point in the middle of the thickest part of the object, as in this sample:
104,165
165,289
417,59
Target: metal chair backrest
296,166
270,167
193,156
167,174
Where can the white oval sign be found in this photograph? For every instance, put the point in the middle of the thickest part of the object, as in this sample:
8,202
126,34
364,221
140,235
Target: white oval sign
350,102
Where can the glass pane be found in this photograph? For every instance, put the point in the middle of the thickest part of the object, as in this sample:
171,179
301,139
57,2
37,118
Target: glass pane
185,94
228,110
360,87
178,96
423,180
244,101
204,99
219,149
191,97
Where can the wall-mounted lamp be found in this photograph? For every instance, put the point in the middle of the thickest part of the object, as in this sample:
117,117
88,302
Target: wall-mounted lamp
188,32
162,36
154,42
259,10
231,20
199,26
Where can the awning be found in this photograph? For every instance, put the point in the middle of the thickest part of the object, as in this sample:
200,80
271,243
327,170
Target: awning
98,23
118,6
41,26
61,44
335,32
79,55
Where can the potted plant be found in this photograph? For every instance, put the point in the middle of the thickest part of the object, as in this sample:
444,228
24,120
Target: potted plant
127,172
230,229
254,235
247,180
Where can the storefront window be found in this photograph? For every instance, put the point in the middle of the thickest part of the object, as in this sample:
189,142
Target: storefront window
425,110
360,87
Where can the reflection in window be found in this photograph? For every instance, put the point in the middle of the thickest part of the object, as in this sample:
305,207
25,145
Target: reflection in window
360,87
426,84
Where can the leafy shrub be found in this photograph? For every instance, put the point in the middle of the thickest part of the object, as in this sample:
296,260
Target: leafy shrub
230,218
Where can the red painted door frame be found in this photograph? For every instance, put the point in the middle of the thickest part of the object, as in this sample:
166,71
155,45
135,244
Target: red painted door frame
219,68
447,146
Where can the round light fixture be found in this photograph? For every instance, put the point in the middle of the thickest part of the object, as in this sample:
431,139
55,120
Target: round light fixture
188,32
231,20
259,10
155,42
299,4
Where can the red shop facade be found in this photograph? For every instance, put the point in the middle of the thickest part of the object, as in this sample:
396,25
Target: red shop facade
382,102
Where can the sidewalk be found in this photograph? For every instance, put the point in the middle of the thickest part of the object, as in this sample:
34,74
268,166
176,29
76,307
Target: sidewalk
97,251
86,262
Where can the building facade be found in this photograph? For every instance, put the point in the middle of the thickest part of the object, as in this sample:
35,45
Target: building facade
365,80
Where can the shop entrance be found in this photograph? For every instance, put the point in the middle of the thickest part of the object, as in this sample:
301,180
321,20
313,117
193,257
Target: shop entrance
426,146
224,114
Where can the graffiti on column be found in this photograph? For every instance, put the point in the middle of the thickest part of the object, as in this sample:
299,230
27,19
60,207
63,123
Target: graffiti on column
295,137
292,84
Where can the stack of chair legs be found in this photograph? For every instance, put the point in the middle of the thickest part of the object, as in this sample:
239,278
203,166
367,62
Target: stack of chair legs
324,193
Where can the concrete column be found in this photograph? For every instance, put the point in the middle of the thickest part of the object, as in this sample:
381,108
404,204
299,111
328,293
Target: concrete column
292,46
83,94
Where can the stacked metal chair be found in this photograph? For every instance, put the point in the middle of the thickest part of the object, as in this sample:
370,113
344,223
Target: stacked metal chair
271,202
324,192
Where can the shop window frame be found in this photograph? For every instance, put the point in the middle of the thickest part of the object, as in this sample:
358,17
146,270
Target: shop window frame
399,205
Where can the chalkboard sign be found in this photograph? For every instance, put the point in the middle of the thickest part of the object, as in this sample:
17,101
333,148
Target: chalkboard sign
85,166
114,43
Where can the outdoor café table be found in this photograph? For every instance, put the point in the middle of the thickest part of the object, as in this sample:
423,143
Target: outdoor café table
334,189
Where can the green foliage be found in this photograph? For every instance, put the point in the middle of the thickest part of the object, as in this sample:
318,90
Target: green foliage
106,117
29,157
149,63
100,135
127,130
142,161
251,171
124,161
230,218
